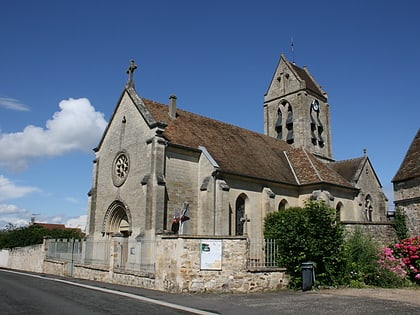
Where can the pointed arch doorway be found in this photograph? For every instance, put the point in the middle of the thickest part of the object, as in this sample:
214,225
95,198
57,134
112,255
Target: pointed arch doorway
117,224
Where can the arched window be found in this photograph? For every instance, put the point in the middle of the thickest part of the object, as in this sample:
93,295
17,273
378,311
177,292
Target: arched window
369,208
290,138
282,205
240,215
279,124
338,209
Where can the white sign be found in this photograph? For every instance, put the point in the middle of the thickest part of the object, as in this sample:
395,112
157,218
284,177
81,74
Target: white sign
211,255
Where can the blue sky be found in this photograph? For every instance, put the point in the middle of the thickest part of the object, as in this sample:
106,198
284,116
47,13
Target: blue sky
63,63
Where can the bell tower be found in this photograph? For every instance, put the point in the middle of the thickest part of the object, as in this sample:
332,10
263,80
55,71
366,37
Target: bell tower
296,110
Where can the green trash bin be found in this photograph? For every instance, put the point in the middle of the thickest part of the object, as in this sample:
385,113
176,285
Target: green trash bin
308,275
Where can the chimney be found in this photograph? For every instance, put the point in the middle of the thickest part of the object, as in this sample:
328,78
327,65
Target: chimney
172,106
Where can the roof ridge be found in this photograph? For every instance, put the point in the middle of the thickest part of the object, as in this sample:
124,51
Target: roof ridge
353,159
215,120
291,167
312,164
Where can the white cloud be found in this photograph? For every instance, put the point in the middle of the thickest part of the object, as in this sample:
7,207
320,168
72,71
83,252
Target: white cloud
12,103
79,222
9,190
12,214
76,127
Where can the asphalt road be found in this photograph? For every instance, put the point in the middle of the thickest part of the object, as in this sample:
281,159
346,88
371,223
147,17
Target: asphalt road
43,294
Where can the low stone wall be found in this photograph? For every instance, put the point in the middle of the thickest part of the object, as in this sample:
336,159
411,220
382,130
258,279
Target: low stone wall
28,258
383,233
179,267
4,258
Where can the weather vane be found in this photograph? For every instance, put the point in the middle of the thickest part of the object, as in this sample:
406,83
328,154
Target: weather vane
130,72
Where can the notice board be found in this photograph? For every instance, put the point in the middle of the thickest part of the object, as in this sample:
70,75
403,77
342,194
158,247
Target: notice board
211,255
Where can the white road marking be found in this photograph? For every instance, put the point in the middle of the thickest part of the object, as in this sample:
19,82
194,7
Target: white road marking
129,295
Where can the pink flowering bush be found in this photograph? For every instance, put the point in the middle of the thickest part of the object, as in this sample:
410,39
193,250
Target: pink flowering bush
388,261
406,253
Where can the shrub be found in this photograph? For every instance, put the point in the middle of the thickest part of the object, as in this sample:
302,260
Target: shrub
408,251
361,258
307,234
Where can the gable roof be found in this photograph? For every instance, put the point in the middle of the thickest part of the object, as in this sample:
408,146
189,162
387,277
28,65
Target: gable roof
243,152
352,169
410,166
309,80
349,169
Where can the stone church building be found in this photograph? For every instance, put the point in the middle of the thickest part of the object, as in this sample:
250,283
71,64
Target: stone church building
156,160
407,186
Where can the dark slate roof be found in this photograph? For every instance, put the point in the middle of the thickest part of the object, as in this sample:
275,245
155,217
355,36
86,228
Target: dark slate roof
410,167
349,169
244,152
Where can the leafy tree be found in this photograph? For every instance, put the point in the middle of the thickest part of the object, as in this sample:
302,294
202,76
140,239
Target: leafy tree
308,234
12,237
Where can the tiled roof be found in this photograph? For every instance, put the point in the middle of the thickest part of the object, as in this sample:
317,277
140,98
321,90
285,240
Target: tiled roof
310,170
243,152
410,167
310,84
51,226
349,169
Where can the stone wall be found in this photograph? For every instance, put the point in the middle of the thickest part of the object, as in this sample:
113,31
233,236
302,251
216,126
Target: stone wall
179,267
28,258
407,198
383,233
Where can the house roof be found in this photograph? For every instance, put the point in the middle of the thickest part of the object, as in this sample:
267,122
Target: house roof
410,166
51,226
240,151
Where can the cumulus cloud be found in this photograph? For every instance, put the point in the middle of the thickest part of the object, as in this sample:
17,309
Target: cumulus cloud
76,127
8,190
12,103
13,214
79,222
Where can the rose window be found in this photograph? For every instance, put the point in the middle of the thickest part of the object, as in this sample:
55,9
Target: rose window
120,169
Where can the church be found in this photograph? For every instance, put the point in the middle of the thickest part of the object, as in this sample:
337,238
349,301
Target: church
160,170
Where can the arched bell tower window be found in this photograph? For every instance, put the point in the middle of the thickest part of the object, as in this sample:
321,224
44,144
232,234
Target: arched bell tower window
369,208
290,138
279,124
284,122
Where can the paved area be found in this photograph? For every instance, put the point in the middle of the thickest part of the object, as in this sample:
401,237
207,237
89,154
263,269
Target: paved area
326,301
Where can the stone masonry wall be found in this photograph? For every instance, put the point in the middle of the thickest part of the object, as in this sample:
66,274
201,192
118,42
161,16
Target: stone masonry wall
383,233
28,258
178,268
407,197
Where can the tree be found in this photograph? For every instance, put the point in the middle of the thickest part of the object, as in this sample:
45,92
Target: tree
308,234
12,237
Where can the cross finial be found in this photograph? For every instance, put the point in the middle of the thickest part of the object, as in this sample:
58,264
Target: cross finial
130,71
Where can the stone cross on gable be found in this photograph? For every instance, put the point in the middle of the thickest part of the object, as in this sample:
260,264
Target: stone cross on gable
130,72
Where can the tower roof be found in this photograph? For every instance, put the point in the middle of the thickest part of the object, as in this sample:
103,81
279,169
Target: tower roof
410,166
